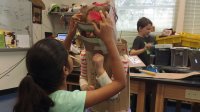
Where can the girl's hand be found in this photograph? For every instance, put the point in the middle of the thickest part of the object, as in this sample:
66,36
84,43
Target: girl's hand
72,30
73,24
106,30
98,60
88,87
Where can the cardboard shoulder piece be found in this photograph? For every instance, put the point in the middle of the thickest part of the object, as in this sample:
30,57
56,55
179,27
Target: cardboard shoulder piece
93,45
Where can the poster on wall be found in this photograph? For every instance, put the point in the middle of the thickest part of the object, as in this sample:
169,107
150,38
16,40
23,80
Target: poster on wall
37,14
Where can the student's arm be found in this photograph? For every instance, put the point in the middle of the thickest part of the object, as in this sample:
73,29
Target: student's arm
137,52
72,30
106,33
103,79
136,49
102,76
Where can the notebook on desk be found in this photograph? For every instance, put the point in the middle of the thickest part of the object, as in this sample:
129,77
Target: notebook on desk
135,61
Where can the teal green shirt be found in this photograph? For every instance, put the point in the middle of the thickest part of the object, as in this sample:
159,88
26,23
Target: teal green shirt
66,101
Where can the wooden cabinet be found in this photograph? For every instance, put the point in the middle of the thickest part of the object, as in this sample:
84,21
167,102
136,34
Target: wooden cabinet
73,79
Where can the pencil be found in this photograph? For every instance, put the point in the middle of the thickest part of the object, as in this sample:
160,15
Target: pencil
148,72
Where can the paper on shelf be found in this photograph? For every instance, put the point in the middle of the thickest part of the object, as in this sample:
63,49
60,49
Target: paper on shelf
23,41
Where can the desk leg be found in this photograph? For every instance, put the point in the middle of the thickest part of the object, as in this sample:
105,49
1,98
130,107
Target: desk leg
152,108
195,107
141,98
159,106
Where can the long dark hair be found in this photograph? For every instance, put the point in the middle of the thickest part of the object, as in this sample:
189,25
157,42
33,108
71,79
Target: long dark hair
44,62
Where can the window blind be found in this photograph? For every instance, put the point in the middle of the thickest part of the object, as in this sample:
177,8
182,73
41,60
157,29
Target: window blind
192,17
161,12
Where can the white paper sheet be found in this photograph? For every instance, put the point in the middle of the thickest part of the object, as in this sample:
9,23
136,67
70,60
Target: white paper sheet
135,61
23,41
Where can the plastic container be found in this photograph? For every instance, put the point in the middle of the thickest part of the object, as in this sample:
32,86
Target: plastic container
194,57
163,56
190,40
179,56
169,39
182,40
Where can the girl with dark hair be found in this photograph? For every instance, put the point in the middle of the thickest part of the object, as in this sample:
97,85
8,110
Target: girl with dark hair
44,87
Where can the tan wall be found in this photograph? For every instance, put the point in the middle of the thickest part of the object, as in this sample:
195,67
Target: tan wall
180,16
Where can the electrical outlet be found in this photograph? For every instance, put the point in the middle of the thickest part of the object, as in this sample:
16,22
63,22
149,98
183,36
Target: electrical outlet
192,94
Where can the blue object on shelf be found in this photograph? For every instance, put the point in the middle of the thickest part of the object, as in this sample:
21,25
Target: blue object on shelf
152,68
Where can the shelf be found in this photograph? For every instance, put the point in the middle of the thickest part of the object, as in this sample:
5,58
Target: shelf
13,49
73,83
64,13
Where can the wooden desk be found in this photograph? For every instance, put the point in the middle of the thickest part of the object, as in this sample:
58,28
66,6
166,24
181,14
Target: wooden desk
184,91
138,87
166,88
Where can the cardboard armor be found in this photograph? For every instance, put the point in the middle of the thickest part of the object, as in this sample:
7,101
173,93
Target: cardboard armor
92,46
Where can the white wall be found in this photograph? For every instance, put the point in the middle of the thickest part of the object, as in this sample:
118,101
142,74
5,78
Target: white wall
180,16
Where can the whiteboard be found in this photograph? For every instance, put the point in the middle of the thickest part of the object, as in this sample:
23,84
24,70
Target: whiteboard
16,16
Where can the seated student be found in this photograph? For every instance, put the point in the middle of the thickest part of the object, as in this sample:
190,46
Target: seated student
140,47
43,89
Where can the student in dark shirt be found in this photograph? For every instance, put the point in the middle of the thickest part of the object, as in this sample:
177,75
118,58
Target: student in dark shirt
140,47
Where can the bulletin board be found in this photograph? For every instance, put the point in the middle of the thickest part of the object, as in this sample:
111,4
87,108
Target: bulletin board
15,16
